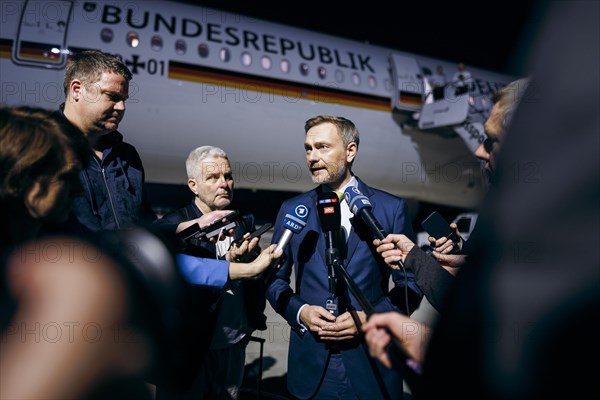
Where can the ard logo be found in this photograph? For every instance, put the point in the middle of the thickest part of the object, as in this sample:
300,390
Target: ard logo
292,225
301,211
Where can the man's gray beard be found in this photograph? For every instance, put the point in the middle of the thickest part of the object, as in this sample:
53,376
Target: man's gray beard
329,178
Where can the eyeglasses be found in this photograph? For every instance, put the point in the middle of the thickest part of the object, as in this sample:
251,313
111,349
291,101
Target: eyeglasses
488,144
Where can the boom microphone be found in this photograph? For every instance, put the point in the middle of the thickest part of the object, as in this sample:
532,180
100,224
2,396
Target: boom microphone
293,223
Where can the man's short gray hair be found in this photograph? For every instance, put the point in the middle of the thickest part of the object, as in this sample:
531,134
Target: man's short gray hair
509,97
192,164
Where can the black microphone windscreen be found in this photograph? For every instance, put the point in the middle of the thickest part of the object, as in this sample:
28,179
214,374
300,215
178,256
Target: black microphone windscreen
330,215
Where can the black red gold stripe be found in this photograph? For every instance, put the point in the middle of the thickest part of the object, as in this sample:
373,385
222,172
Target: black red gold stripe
218,77
201,74
410,99
5,48
39,51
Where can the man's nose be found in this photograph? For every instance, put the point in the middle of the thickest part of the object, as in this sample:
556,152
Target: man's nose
481,153
120,105
222,181
312,157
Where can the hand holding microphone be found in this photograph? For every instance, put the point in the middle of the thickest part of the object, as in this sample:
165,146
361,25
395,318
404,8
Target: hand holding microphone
361,206
394,249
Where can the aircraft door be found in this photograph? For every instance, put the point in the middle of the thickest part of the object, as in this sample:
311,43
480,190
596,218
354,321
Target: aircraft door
407,83
42,35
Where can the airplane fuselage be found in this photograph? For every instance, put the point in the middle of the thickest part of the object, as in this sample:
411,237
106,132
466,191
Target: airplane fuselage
206,77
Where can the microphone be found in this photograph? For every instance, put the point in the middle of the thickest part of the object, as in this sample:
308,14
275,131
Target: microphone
330,216
360,205
293,223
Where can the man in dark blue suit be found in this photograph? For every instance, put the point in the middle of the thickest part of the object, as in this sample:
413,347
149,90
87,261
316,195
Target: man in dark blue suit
327,358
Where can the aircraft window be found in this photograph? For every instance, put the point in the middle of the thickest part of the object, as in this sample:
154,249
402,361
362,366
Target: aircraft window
322,72
372,82
225,55
387,85
339,76
265,61
304,69
355,79
246,59
180,47
203,50
285,66
107,35
133,39
156,43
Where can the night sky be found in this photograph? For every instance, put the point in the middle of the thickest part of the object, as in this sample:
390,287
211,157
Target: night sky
454,31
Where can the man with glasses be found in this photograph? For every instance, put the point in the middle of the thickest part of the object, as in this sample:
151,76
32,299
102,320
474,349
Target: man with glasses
432,279
505,103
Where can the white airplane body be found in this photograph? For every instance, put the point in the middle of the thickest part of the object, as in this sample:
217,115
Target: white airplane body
206,77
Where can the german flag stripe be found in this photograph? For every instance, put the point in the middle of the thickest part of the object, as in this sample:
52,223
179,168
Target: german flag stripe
39,51
5,48
239,81
236,80
411,99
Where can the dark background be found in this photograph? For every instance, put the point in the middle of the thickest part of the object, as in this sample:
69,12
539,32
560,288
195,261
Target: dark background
489,35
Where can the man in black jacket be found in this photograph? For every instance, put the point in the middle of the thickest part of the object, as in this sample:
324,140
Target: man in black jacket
96,86
240,309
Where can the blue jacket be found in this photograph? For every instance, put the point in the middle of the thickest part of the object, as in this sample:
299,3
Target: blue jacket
308,355
113,194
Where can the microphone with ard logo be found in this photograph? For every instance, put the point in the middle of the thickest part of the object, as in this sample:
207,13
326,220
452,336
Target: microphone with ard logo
293,223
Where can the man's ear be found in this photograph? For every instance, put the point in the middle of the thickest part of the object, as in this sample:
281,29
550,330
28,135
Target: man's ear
75,89
351,150
193,186
32,198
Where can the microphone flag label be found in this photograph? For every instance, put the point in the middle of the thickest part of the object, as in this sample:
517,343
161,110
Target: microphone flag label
325,201
296,220
301,211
